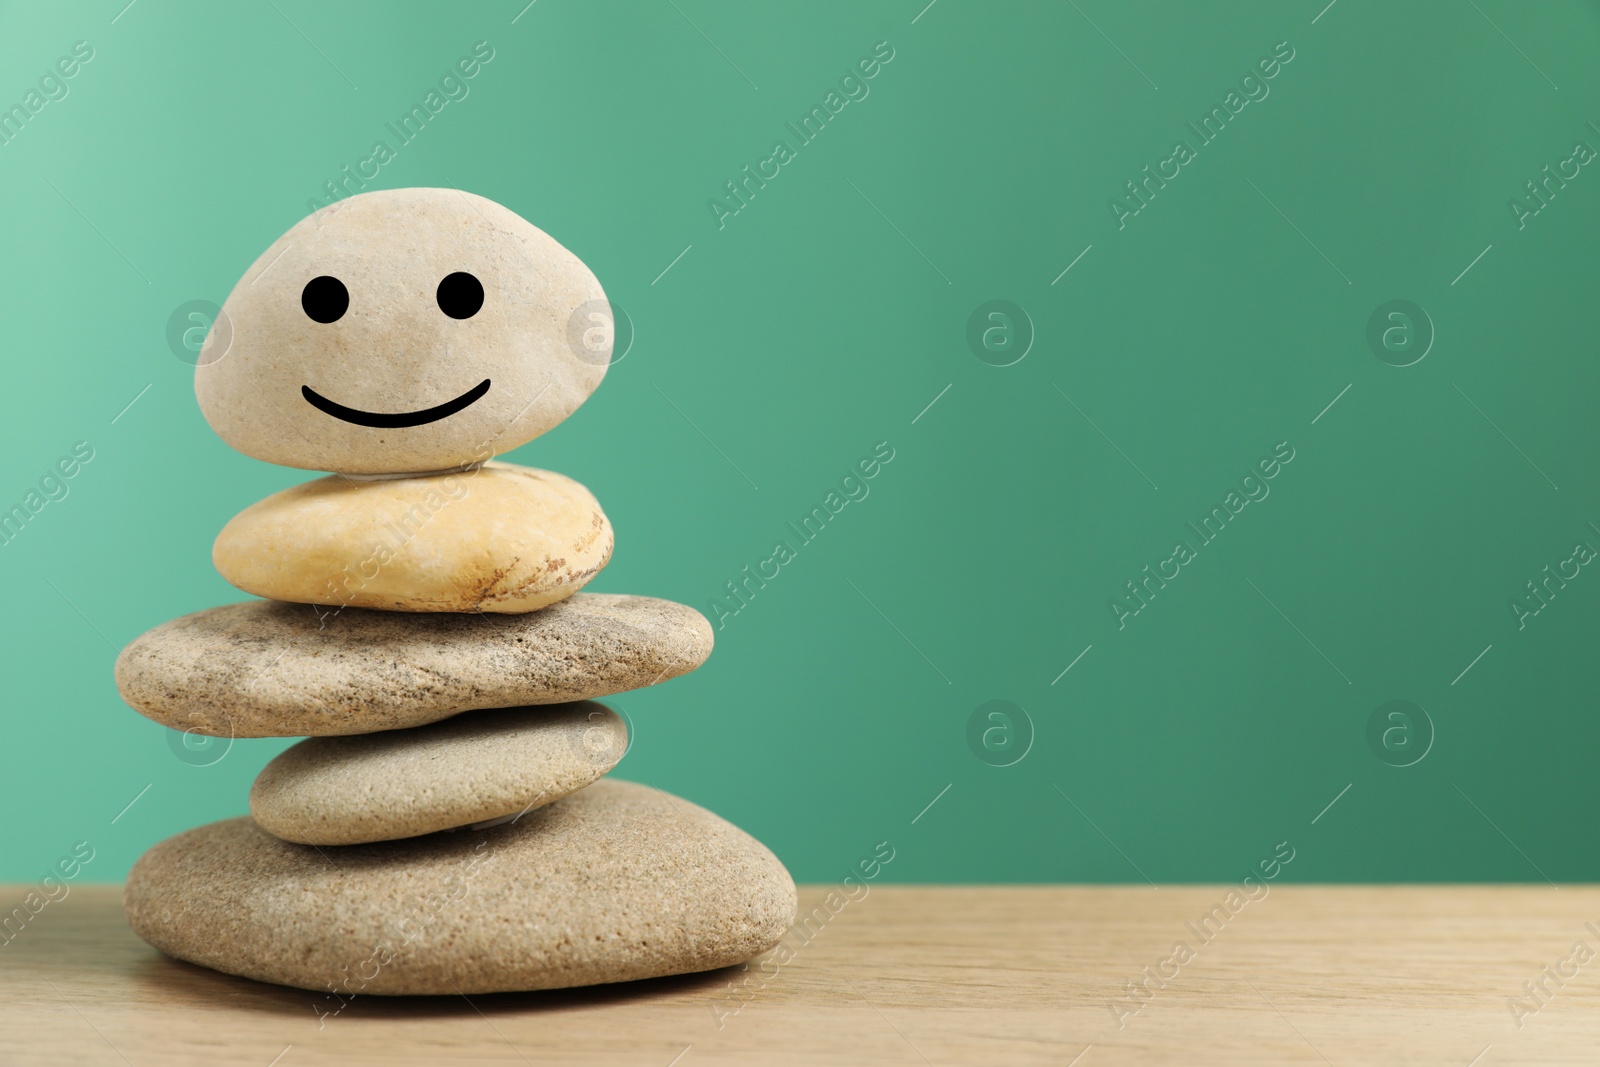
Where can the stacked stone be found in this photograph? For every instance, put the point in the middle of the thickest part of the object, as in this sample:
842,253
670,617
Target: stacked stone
445,827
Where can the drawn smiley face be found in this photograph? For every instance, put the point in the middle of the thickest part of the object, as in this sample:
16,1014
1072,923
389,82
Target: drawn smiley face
402,331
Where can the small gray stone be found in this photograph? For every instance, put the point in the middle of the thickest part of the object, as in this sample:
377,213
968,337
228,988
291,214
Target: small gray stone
470,768
615,882
269,669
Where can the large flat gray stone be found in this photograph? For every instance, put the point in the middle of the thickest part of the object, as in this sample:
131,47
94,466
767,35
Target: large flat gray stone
271,669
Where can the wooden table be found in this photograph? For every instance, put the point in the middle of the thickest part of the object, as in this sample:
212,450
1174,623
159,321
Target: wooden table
906,975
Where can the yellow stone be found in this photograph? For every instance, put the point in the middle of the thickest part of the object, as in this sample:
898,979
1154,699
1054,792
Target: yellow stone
499,538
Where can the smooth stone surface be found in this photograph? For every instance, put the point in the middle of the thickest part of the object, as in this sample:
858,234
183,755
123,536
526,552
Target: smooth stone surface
477,766
394,350
501,538
613,883
267,669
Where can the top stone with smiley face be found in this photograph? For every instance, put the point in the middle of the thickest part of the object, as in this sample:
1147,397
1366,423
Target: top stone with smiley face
402,331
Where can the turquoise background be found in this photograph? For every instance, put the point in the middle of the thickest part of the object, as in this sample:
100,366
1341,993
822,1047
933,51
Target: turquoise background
823,318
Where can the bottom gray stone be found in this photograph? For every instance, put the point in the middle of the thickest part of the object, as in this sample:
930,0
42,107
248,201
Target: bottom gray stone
613,883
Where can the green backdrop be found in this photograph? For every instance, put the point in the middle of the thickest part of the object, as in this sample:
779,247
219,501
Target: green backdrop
1205,326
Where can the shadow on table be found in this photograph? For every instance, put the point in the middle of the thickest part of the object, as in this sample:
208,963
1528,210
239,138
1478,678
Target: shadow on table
161,978
85,942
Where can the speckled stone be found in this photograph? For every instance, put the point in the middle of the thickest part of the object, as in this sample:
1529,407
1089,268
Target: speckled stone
500,538
395,351
267,669
471,768
615,882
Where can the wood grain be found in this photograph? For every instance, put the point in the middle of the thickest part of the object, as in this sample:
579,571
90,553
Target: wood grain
905,975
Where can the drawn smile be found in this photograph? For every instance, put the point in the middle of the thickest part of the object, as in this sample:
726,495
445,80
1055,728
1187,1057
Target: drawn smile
399,419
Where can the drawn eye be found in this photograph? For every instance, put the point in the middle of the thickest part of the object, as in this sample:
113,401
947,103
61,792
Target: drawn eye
460,295
325,299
